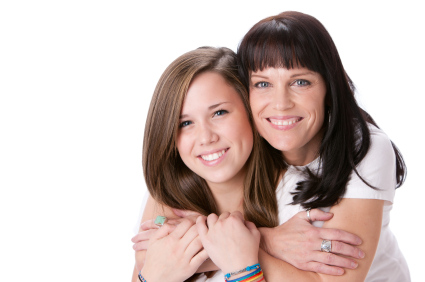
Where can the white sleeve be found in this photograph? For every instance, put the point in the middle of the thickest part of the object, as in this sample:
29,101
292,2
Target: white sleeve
378,168
142,209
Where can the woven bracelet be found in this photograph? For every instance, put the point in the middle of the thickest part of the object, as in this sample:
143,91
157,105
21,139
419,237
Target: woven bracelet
248,268
141,279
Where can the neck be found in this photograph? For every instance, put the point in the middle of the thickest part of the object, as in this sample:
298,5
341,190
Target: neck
229,195
306,154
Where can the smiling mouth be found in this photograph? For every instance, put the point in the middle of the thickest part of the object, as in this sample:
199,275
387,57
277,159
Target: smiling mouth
214,156
280,122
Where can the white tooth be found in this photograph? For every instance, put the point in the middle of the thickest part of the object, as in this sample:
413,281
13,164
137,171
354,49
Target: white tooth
222,152
215,156
285,122
279,123
291,122
204,158
210,157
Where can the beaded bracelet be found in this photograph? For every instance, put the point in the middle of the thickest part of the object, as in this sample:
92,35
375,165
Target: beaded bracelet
248,268
141,279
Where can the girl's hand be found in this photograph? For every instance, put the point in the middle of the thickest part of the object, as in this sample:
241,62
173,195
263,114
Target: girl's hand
298,243
231,242
174,253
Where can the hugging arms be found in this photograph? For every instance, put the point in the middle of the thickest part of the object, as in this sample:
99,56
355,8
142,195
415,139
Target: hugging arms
298,140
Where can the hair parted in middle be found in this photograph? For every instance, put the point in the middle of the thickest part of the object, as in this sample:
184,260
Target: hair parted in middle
169,180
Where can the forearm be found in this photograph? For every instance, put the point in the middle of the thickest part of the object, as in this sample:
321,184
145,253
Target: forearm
277,270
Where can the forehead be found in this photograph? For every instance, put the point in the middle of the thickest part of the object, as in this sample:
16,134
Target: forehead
207,89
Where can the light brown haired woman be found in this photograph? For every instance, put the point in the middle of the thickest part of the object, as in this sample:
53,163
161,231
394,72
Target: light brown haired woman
202,154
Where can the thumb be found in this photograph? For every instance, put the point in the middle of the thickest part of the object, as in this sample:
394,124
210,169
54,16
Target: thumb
319,215
185,213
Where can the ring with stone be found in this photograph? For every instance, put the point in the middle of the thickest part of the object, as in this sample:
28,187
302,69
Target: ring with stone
326,246
308,215
160,220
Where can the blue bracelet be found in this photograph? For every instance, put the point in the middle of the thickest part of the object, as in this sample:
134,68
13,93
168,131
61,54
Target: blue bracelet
248,268
245,277
141,279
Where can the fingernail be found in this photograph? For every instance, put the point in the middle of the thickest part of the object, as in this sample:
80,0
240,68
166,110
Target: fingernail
354,264
340,271
361,254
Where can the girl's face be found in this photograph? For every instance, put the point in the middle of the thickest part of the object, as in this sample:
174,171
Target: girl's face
215,138
289,108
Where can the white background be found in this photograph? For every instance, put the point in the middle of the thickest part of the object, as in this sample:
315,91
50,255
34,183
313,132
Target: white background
76,78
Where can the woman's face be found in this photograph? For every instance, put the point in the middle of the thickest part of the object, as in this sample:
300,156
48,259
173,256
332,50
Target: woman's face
215,138
289,108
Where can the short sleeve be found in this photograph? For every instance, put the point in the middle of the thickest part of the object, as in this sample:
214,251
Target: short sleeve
142,209
378,168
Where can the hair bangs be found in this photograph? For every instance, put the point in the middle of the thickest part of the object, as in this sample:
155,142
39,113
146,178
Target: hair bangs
279,44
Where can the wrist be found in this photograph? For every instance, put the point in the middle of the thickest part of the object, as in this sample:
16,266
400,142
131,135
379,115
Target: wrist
264,239
250,273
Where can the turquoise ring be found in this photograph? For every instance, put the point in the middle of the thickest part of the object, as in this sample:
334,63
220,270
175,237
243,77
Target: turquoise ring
160,220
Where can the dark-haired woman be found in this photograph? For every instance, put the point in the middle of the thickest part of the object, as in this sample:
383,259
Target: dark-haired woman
201,153
336,158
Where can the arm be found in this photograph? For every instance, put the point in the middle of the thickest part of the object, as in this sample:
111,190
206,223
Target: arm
362,217
296,242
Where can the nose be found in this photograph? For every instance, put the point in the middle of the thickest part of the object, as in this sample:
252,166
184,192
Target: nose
282,99
206,134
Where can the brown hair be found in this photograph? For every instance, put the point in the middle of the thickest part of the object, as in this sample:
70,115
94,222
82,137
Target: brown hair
169,180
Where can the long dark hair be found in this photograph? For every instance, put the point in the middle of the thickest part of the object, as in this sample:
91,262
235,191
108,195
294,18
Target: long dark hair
168,179
293,39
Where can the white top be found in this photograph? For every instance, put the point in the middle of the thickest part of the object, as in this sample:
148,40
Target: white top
379,169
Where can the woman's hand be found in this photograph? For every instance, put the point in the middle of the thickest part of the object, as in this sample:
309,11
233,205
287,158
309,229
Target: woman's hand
174,253
230,242
298,243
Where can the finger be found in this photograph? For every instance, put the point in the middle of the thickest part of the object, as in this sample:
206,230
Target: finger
194,247
148,224
319,215
339,235
237,214
142,245
251,226
323,268
199,258
201,226
181,229
185,213
175,221
163,231
224,215
343,249
144,235
189,236
212,220
335,260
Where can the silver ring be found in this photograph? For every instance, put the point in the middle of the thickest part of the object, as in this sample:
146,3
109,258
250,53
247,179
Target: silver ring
160,220
326,246
308,215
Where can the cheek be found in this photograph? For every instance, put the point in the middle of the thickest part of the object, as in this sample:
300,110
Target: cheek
183,147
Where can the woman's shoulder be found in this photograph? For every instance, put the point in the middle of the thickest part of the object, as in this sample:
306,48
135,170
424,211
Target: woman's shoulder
378,168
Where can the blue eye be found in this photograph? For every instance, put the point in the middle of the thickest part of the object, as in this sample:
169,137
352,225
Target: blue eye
262,84
184,124
220,113
302,82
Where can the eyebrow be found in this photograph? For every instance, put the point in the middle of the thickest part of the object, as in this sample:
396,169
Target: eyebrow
294,75
209,108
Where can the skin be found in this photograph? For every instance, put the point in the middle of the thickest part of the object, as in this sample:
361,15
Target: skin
213,119
276,94
214,129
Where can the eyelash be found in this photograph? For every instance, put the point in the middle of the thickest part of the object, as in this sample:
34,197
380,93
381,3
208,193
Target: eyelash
257,85
188,122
